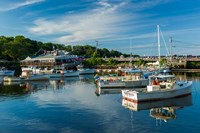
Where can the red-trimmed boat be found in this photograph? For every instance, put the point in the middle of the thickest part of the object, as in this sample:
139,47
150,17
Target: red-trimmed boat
160,87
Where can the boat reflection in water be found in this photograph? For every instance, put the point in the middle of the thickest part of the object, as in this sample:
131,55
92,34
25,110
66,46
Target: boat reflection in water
164,113
59,83
19,87
22,88
160,110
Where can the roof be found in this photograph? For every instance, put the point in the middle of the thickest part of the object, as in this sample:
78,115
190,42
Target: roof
50,57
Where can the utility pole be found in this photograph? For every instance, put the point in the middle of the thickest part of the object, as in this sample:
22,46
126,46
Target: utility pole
97,44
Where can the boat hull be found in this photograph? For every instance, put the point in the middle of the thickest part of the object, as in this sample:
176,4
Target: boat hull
63,75
124,84
86,71
136,96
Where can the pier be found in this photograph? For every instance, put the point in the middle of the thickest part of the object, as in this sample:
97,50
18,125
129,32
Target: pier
176,62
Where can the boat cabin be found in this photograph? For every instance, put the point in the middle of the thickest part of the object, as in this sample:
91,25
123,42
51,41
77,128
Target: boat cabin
133,75
161,82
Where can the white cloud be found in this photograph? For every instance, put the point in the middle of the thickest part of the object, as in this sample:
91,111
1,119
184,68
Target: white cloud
93,24
12,6
148,4
107,20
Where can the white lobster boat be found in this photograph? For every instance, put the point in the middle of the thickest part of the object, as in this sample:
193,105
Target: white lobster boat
133,78
168,88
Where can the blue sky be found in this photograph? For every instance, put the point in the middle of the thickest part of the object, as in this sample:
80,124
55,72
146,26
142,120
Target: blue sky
123,25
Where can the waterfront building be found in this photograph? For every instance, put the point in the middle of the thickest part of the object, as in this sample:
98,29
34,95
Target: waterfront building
51,60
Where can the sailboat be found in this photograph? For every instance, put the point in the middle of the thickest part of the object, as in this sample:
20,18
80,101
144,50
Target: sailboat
160,87
158,62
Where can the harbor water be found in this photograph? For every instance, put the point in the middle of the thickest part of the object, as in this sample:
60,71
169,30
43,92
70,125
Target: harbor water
75,105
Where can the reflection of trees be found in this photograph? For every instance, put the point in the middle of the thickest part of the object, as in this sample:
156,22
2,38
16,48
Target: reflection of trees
22,88
187,76
16,89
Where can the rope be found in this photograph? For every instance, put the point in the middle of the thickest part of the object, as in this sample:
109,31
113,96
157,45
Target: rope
164,42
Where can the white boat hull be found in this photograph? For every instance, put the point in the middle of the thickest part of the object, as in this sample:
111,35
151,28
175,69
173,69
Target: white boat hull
85,71
179,91
63,75
123,84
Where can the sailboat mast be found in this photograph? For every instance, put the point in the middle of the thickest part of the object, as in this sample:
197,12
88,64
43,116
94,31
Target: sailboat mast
158,28
170,49
130,63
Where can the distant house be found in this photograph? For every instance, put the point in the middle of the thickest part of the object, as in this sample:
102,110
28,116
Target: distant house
153,63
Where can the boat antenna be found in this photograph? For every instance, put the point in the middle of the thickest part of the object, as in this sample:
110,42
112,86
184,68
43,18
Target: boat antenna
158,29
97,44
130,64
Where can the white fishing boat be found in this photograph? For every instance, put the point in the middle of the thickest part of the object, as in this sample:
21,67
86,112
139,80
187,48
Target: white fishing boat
132,78
29,76
156,90
84,71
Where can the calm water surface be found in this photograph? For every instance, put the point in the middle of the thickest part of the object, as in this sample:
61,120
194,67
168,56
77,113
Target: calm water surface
74,105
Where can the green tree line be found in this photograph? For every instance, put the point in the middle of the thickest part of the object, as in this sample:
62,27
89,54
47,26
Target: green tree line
19,47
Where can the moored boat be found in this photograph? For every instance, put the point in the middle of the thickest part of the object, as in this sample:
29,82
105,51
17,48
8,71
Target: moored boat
29,76
84,71
132,78
168,88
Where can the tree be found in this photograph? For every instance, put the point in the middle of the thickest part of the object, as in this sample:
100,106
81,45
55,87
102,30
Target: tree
112,62
140,62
